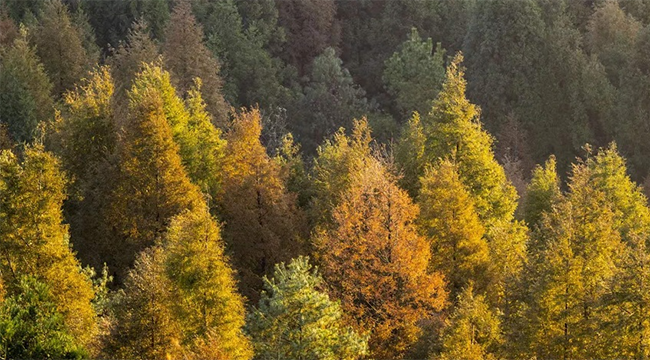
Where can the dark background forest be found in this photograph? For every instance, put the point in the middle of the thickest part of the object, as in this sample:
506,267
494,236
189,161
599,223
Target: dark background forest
324,179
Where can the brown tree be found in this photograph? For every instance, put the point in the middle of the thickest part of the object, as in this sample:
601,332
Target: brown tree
376,263
187,58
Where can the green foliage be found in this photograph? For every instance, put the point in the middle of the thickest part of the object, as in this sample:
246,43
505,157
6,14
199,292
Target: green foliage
25,90
453,129
331,100
31,327
200,145
414,75
151,184
251,74
113,19
295,319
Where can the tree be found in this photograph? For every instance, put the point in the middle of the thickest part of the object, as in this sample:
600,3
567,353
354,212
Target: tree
410,155
295,319
580,256
25,90
331,100
84,135
8,29
452,226
543,192
611,36
503,46
200,145
187,58
112,20
473,330
376,262
263,224
453,129
59,46
34,241
414,75
85,131
334,168
151,186
252,76
144,326
127,59
310,28
206,302
32,327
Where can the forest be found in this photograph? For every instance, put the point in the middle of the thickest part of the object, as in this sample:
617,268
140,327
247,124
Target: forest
324,179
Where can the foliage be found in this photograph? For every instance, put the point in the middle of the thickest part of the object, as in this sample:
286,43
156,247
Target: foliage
376,262
295,319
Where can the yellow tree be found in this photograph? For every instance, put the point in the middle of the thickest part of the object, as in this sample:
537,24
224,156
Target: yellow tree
200,145
34,242
206,303
263,225
143,325
337,160
151,186
376,262
452,226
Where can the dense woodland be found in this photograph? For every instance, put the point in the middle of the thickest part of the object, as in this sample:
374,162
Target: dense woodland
324,179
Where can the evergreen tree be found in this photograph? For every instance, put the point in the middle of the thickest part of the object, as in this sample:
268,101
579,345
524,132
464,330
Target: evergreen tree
84,135
59,45
331,100
8,29
113,20
473,330
296,320
410,155
376,262
252,76
31,326
204,292
310,28
414,75
503,46
187,58
263,224
25,90
578,261
452,226
34,242
453,129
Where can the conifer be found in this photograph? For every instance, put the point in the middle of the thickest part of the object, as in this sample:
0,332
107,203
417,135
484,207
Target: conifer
376,262
295,319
